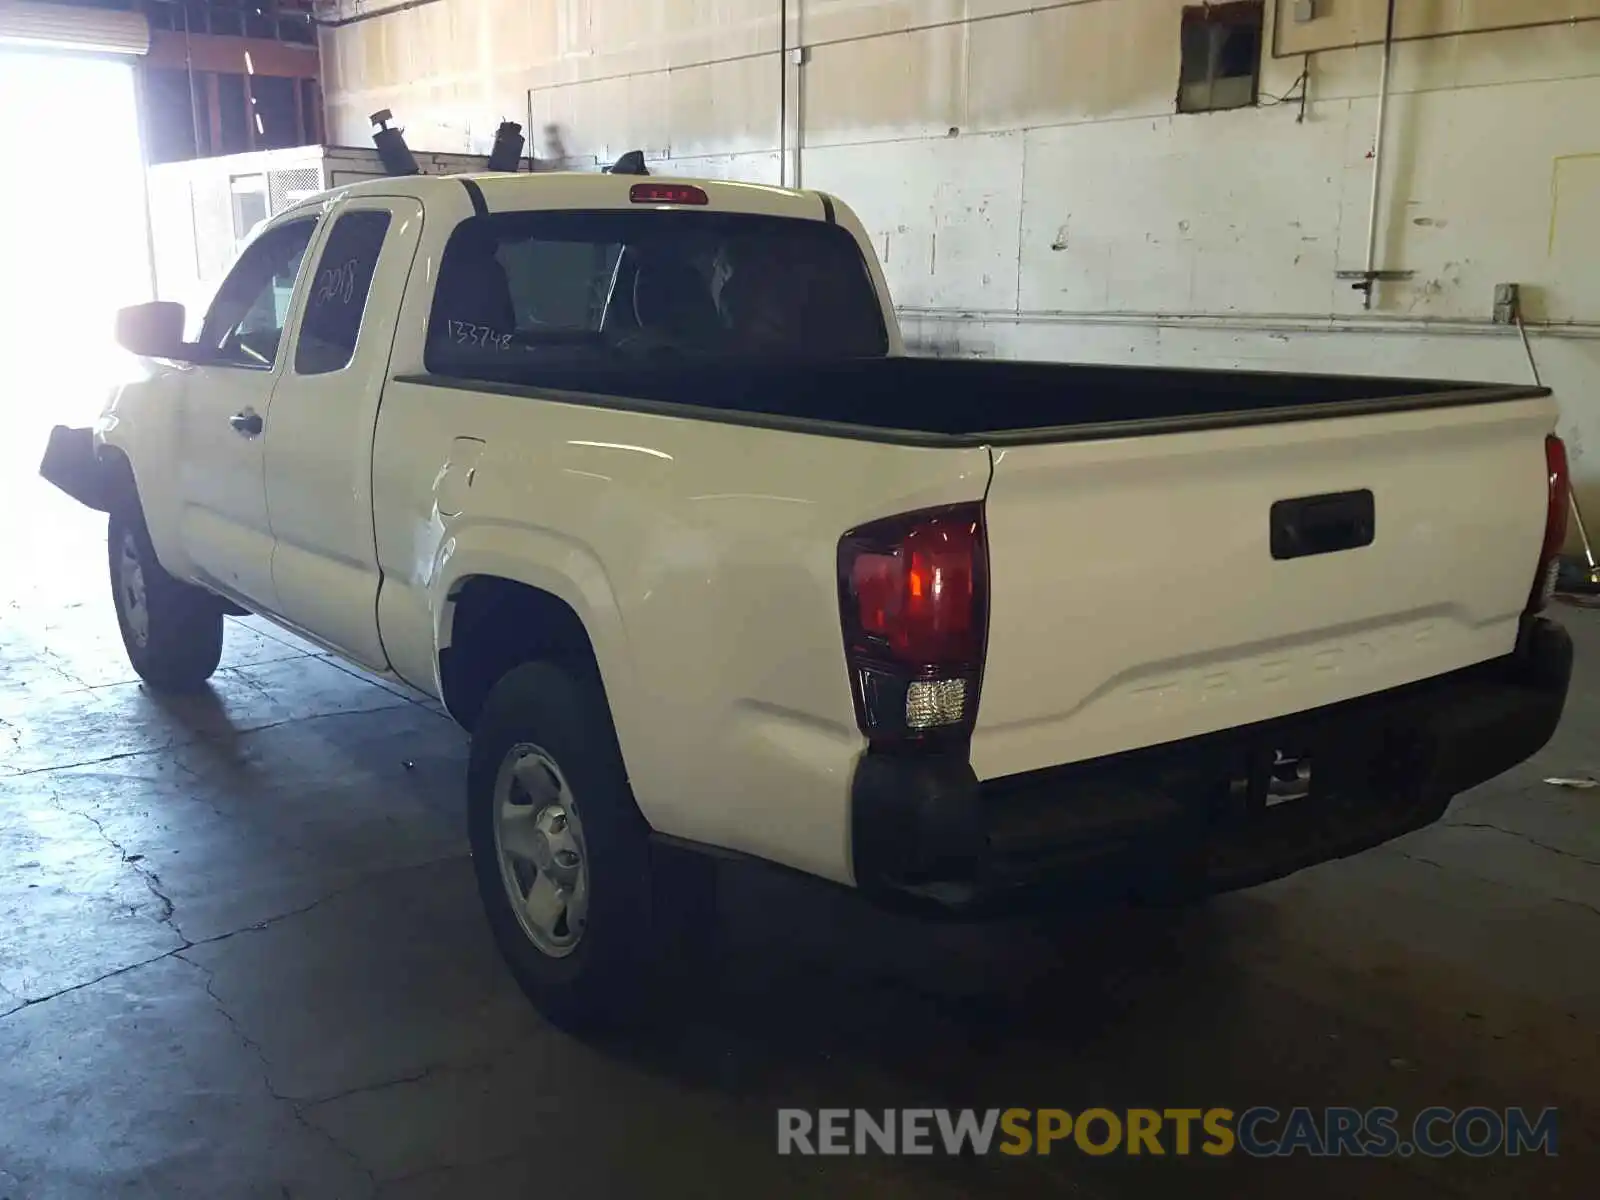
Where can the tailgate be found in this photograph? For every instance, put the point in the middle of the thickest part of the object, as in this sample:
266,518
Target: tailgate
1136,597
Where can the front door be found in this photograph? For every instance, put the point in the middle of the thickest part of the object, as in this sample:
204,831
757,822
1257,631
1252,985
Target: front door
225,402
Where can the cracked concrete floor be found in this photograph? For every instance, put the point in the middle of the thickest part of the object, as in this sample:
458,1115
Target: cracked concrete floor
242,957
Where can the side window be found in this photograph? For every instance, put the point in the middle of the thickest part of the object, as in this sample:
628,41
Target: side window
245,322
338,293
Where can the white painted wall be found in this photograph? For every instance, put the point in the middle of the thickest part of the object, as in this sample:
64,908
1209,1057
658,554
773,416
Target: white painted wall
1033,194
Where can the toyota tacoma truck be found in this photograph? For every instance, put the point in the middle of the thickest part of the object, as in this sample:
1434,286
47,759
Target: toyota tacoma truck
636,478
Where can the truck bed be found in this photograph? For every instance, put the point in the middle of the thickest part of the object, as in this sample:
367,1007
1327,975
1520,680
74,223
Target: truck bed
1317,559
968,401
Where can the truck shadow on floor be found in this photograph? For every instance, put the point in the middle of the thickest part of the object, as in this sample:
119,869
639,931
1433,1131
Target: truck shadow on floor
804,976
817,1001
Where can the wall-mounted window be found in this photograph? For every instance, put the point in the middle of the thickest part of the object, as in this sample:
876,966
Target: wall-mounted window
1221,56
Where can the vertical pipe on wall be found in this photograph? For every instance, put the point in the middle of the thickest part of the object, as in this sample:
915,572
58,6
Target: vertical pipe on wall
783,93
533,159
1377,155
799,116
800,56
194,101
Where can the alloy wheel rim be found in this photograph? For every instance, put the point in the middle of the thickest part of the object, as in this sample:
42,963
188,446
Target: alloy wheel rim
538,839
135,601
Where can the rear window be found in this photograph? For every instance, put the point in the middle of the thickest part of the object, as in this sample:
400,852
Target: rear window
518,292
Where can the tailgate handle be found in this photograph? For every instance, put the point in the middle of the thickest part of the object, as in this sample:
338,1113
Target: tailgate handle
1327,524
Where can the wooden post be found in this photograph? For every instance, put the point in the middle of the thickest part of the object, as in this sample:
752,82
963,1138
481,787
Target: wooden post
214,111
319,130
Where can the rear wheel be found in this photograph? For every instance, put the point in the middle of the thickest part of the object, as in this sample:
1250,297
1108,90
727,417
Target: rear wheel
171,630
562,856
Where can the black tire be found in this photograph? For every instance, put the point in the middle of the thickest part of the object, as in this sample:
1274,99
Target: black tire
181,640
605,980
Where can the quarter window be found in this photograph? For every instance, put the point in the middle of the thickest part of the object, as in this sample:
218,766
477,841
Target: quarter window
337,293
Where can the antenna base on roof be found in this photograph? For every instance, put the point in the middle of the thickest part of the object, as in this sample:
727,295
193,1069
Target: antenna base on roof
631,163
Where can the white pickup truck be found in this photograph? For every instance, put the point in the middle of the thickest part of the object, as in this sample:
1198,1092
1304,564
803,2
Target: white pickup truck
636,478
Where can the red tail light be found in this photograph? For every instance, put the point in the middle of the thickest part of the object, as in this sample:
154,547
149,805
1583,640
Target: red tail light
1555,523
914,598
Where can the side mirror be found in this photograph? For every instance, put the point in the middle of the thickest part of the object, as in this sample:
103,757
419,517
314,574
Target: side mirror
153,330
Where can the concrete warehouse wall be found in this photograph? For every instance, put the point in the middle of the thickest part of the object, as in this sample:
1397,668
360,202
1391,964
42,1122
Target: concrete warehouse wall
1033,192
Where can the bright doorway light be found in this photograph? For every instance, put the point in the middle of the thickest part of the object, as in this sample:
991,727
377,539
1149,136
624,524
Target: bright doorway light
73,236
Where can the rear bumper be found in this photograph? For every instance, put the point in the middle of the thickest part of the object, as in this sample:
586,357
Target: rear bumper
1195,816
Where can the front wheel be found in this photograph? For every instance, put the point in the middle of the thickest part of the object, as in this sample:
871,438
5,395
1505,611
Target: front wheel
561,853
172,630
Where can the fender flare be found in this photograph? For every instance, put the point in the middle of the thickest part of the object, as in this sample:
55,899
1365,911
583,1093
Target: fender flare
561,567
141,427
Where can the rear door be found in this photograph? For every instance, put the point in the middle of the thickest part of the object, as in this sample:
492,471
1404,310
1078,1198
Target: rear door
324,410
1139,594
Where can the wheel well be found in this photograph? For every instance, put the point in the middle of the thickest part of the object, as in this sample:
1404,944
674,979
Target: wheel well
498,624
121,493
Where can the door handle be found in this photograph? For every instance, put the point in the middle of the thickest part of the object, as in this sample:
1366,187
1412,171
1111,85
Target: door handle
247,423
